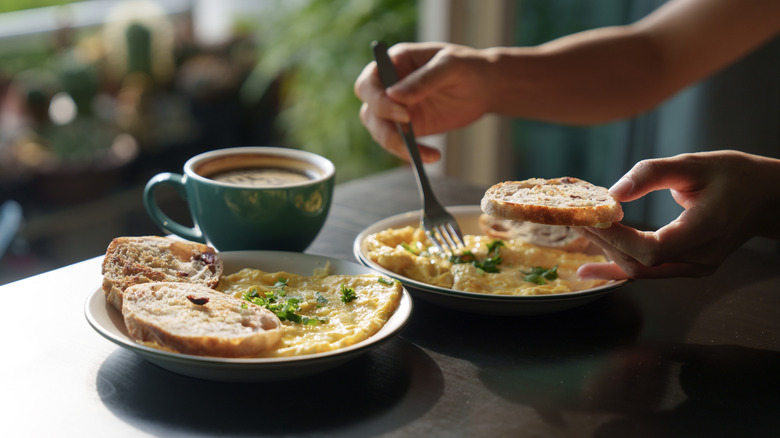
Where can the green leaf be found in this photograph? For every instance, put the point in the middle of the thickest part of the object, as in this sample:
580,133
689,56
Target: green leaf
385,281
409,248
284,307
317,48
489,264
540,275
347,294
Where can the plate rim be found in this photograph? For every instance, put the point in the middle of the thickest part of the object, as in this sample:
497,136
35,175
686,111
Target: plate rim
402,315
456,210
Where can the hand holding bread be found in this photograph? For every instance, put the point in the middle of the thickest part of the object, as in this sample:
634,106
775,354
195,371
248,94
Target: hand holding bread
728,197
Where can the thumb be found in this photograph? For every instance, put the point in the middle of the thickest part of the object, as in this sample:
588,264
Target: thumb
419,84
650,175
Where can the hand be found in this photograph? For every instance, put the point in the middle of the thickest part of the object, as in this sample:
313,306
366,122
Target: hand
441,87
728,198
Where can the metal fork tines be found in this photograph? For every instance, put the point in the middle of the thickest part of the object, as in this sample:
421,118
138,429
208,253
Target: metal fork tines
441,227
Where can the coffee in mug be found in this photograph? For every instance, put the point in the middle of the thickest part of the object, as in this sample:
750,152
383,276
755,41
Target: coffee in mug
259,177
250,198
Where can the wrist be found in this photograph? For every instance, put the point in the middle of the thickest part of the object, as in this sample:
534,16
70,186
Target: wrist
507,73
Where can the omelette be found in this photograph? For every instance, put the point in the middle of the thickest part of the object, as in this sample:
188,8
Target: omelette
486,265
320,312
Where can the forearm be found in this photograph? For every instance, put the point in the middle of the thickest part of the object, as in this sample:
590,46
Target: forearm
615,72
589,77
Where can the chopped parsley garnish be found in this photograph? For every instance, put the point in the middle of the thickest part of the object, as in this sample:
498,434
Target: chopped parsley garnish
489,264
321,300
540,275
495,246
384,280
281,282
409,248
347,294
284,307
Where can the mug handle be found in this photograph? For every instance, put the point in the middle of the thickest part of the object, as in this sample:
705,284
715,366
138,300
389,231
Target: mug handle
156,214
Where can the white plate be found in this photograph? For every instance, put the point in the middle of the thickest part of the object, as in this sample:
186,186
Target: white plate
468,219
108,322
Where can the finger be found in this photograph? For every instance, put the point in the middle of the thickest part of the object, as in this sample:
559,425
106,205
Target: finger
429,154
408,57
617,258
684,254
369,88
699,236
650,175
636,268
424,81
386,134
601,271
383,132
629,243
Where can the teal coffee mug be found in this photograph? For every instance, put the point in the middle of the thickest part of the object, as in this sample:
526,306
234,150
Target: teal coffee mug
249,198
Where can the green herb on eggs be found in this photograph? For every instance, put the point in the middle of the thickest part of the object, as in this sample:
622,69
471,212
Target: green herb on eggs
409,248
284,307
347,294
385,281
489,264
540,275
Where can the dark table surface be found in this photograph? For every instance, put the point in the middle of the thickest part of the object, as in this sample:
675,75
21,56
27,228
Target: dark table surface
682,357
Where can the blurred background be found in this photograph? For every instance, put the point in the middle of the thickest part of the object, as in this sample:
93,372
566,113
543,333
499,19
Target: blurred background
98,96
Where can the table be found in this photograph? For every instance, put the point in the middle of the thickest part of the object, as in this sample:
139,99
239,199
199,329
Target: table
685,357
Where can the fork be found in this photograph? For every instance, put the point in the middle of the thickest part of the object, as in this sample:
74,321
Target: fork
440,226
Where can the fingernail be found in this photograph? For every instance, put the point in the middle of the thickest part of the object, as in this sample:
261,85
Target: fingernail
584,275
622,187
399,114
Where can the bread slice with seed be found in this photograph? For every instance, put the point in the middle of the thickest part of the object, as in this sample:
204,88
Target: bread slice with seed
136,260
548,236
559,201
194,319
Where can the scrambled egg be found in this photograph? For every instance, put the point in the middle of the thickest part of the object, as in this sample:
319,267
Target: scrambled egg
408,251
333,323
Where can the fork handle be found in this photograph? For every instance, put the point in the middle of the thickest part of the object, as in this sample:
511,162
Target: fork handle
426,192
389,76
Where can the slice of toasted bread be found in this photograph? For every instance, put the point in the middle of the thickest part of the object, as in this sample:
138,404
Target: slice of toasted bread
549,236
193,319
135,260
559,201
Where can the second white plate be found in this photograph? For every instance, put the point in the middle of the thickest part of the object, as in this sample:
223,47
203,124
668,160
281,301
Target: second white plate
107,321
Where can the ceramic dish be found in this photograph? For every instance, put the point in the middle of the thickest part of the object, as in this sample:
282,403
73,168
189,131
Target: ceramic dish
468,219
107,321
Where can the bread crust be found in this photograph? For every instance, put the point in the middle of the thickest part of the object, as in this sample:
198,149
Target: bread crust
559,201
144,259
194,319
